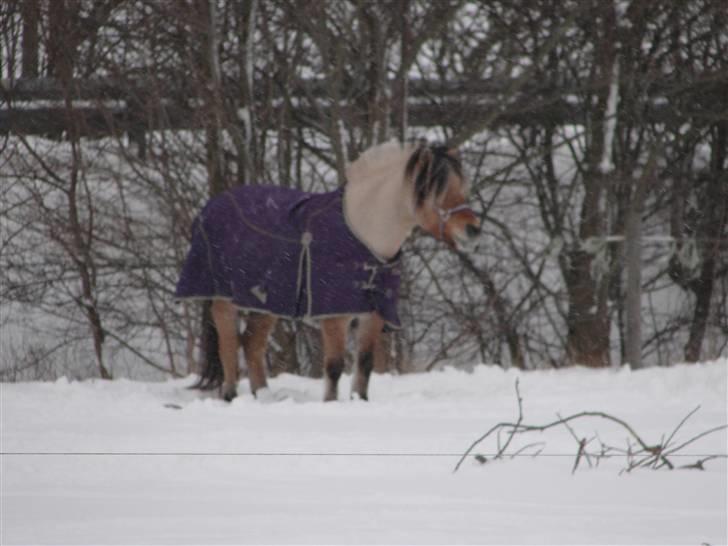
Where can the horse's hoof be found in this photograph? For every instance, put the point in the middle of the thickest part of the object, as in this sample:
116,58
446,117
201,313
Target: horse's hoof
359,396
229,393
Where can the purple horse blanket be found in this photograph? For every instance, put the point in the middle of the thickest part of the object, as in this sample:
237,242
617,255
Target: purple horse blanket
286,252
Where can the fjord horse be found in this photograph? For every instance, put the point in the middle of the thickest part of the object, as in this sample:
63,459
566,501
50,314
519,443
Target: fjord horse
390,190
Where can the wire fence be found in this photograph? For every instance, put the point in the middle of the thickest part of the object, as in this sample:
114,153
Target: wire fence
307,454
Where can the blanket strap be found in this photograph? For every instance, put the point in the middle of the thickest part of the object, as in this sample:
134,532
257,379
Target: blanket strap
446,214
373,285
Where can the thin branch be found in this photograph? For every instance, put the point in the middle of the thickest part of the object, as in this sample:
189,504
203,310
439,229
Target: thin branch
645,455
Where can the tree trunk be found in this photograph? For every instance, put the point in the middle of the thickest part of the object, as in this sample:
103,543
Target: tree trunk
633,258
402,95
588,321
213,129
246,11
31,17
713,231
62,38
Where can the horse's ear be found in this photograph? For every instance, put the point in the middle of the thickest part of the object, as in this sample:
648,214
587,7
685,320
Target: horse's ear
418,171
425,157
424,170
420,160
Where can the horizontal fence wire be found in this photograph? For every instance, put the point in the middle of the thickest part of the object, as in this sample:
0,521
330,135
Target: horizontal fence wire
310,454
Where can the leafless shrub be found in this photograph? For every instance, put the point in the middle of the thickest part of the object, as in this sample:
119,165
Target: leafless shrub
637,453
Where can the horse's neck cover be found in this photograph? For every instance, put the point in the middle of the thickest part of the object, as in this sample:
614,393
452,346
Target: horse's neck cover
286,252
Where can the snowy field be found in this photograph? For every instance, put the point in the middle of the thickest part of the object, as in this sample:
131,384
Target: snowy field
125,462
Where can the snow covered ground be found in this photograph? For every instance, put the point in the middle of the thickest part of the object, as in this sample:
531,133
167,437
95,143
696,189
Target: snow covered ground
127,462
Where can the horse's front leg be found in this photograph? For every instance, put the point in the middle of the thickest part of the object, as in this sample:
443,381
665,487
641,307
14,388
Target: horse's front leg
333,331
369,331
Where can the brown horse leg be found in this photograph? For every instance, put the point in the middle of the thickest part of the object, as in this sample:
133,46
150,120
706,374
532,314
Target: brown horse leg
370,328
225,315
255,341
333,331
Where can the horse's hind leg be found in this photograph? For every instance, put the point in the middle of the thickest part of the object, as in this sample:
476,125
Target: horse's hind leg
255,341
225,317
334,332
370,328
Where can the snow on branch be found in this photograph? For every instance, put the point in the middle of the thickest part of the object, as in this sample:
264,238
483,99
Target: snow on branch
638,453
606,164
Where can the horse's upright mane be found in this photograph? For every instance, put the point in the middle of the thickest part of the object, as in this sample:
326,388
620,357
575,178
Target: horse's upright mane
385,160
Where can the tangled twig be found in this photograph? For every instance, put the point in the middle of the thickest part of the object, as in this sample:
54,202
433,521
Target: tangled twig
639,453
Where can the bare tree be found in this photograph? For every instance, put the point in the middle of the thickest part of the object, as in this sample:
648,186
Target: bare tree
152,107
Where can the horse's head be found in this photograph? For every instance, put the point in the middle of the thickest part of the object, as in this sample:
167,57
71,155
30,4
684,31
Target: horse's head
440,195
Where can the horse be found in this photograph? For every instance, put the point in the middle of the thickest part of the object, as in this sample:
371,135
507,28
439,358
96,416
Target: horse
275,252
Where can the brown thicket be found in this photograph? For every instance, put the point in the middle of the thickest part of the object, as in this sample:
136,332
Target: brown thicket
595,134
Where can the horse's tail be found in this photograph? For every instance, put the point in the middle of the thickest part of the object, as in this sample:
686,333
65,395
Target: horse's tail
211,374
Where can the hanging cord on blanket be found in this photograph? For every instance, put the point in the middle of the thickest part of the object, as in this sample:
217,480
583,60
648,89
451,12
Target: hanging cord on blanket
304,262
304,258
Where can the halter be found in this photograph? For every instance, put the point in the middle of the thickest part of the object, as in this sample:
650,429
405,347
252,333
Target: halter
446,214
